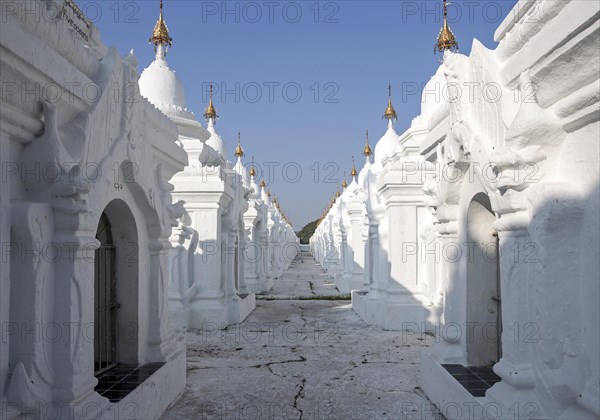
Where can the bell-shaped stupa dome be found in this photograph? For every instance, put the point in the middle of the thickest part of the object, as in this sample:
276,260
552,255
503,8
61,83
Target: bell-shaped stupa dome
158,82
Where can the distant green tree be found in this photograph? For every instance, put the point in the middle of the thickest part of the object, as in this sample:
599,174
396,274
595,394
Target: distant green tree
307,231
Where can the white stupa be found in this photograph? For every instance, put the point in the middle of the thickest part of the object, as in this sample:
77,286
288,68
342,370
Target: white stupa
253,185
367,152
158,83
239,165
390,140
215,141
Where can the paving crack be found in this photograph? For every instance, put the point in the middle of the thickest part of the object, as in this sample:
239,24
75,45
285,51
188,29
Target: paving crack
302,316
299,394
269,364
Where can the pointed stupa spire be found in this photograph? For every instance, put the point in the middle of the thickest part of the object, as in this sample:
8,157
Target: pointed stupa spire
239,152
210,111
367,150
344,183
252,170
354,172
390,112
446,40
160,35
263,191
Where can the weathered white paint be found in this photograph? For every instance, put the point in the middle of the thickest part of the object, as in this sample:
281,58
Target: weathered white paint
77,154
540,132
229,242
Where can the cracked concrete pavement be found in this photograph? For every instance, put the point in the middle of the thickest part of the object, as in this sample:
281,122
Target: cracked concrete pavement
303,279
303,359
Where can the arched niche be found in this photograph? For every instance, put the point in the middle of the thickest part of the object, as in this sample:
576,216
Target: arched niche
483,312
116,289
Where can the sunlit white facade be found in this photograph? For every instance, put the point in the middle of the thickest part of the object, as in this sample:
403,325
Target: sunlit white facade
484,214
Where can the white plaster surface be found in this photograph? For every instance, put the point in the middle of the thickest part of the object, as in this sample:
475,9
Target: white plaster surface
303,279
309,359
133,147
547,50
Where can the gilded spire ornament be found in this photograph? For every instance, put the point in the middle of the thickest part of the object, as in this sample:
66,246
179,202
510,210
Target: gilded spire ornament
446,40
344,183
354,173
239,152
252,170
210,111
160,34
367,150
390,112
263,184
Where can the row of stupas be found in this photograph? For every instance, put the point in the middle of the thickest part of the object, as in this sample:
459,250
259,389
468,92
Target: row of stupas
475,231
446,41
476,222
232,239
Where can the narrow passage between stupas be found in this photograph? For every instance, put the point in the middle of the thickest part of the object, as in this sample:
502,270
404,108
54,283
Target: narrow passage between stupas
302,354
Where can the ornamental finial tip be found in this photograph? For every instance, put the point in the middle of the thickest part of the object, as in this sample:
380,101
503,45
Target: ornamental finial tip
390,112
239,152
367,150
210,111
446,40
160,34
252,170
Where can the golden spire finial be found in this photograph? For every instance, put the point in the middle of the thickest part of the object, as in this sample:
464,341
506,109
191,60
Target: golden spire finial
354,173
269,194
239,152
210,111
160,34
252,170
263,184
390,112
446,39
344,183
367,150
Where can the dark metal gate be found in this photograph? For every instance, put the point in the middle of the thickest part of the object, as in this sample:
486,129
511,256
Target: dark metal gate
105,300
498,300
236,265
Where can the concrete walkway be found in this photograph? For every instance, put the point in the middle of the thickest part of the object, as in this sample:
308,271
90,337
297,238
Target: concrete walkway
304,279
302,359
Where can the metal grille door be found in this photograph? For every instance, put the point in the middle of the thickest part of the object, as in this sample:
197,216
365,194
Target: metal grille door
498,300
105,300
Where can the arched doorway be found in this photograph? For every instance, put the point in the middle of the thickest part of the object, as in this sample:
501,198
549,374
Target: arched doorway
483,285
105,299
236,263
116,289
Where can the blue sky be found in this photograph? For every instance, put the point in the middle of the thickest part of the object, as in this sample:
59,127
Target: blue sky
305,78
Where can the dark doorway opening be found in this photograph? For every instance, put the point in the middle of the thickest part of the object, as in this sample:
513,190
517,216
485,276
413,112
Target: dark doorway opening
105,299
